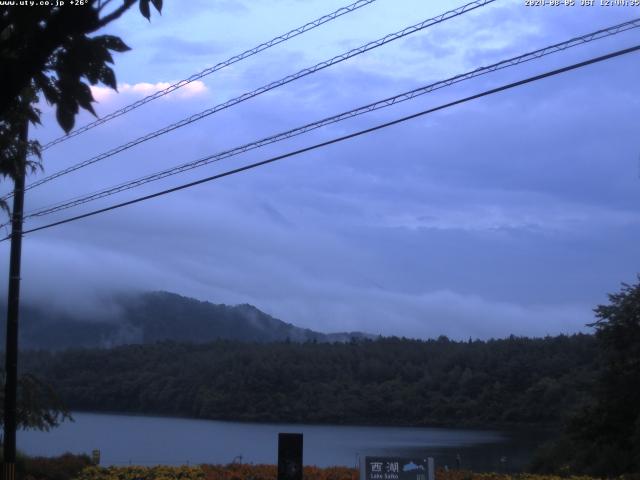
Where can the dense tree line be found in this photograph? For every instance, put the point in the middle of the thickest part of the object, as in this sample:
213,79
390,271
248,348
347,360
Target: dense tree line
386,381
603,439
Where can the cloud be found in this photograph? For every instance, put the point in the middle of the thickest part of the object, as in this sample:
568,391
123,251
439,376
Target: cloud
138,90
175,49
427,314
549,215
310,277
516,213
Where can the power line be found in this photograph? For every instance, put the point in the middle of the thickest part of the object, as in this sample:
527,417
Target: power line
341,139
283,81
207,71
558,47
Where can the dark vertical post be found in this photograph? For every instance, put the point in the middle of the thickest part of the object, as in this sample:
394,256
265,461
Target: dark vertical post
13,307
289,456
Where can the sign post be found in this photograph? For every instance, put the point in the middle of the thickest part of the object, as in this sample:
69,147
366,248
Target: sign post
290,456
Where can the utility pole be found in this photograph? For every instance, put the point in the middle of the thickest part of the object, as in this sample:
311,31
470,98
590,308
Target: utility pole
13,308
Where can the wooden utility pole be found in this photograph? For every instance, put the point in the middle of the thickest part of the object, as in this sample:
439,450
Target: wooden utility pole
13,308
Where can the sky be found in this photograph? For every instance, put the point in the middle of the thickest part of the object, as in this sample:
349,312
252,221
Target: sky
516,213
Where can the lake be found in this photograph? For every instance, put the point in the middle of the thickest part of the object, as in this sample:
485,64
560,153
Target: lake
146,440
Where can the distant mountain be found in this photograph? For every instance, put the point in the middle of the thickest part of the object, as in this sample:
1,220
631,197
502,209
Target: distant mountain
158,316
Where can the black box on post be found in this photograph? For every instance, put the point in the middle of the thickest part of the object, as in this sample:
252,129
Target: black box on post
289,456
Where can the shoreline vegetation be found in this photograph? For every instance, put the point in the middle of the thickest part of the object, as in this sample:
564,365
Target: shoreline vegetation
510,427
79,467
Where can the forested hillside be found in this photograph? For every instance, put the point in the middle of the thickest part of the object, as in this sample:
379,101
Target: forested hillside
387,381
155,316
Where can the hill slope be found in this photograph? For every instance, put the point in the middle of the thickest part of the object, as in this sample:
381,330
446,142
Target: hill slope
158,316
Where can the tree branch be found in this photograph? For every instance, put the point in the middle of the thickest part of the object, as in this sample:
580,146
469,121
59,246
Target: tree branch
117,13
102,4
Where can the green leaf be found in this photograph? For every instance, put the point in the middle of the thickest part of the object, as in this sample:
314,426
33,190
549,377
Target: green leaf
97,51
85,97
66,115
93,73
157,4
113,43
46,84
107,77
8,31
33,116
144,9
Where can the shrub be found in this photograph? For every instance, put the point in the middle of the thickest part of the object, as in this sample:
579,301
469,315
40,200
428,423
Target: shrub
64,467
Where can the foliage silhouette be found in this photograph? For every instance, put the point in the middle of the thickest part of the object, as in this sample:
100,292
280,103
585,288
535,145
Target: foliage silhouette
50,51
603,439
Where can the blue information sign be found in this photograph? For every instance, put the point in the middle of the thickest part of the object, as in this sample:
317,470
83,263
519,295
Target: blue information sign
397,468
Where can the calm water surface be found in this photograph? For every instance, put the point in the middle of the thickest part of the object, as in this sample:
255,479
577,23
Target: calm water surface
143,440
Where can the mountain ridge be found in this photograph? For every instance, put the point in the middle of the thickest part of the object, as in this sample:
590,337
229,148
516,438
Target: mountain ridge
155,316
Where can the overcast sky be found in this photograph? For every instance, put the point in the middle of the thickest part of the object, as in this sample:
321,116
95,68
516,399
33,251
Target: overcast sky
513,214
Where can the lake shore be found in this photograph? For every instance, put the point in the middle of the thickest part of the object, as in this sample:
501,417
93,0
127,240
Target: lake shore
549,429
147,440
